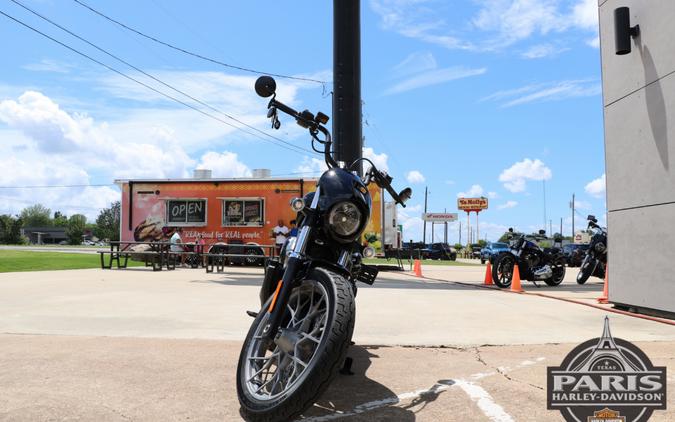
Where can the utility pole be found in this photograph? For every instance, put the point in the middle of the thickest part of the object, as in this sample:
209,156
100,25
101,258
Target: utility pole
347,130
573,211
424,223
460,233
544,184
445,237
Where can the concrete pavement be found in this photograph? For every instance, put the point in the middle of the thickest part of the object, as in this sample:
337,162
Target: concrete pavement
135,344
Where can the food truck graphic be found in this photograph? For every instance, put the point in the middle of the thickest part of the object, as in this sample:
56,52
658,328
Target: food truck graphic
242,211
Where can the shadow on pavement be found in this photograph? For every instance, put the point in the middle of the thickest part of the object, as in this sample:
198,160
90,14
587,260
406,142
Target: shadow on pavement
357,397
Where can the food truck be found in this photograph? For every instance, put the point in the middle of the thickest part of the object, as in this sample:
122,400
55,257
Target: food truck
242,211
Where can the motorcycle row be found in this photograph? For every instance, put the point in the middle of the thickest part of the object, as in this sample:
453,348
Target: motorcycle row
536,263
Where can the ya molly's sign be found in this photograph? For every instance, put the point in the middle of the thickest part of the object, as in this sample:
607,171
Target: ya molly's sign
472,204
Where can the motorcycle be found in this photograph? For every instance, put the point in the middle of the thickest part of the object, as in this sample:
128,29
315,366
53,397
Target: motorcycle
595,261
299,338
534,263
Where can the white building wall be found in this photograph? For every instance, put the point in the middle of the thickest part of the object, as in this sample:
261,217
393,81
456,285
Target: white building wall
639,114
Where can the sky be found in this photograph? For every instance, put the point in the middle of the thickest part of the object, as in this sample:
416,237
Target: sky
494,98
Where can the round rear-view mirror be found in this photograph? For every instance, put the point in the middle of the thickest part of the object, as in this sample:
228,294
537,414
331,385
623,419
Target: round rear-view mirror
265,86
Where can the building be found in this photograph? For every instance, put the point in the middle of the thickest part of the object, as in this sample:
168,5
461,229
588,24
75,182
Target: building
44,235
221,210
638,77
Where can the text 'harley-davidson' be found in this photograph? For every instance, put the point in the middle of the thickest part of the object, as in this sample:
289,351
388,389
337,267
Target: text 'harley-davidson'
595,261
299,339
534,263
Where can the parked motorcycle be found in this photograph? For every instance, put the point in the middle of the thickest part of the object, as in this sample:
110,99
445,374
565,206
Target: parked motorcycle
534,263
299,339
595,261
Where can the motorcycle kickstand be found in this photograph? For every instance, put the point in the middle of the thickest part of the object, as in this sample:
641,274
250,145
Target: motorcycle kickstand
535,284
347,365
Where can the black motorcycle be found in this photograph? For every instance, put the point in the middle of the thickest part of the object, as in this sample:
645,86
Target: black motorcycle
595,261
299,339
534,263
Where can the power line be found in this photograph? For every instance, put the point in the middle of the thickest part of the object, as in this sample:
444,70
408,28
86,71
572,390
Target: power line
190,53
159,80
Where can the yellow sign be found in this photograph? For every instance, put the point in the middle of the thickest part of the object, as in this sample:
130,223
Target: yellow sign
472,204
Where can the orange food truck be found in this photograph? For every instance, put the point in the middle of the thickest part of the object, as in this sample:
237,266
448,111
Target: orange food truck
225,211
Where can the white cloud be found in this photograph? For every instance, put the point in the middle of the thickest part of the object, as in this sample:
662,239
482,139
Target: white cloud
434,77
225,164
597,187
516,176
415,176
552,91
311,166
542,50
507,204
417,62
49,65
474,191
380,160
494,25
582,205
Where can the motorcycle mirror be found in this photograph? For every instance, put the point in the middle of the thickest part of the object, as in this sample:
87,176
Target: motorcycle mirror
405,194
592,218
542,232
265,86
510,229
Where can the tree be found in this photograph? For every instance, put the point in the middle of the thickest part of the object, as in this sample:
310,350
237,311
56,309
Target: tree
75,228
36,216
108,222
60,219
458,246
10,229
482,243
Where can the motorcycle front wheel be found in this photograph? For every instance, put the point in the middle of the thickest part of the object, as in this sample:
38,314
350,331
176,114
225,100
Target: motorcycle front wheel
585,270
502,270
279,379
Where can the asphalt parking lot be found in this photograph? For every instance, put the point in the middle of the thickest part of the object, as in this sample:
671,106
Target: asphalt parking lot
142,345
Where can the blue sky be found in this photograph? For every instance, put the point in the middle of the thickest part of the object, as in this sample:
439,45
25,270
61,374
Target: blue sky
481,97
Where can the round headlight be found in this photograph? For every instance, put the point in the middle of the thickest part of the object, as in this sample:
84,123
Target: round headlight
344,219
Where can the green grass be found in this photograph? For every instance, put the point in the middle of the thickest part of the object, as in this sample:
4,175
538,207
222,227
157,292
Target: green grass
11,261
406,263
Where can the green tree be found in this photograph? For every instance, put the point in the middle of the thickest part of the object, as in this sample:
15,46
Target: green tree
10,229
75,228
458,246
60,219
108,222
36,216
482,243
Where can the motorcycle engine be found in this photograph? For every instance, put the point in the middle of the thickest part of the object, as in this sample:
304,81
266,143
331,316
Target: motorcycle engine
532,260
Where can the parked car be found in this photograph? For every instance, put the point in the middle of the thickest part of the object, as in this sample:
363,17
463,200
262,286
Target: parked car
574,253
491,250
441,251
475,250
414,249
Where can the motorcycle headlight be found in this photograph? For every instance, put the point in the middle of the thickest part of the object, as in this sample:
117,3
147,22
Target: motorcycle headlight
344,219
600,248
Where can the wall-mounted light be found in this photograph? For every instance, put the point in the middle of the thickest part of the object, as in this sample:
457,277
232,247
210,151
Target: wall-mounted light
623,32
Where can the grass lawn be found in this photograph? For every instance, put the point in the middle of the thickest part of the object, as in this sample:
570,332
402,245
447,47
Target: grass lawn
375,261
11,261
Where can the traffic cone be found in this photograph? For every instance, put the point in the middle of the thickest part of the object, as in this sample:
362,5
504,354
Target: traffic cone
515,282
488,275
418,268
605,291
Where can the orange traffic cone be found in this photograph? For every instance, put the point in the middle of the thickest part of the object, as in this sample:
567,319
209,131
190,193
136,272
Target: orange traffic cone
605,291
515,282
418,268
488,275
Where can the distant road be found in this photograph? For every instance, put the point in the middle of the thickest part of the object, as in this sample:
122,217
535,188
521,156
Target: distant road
64,249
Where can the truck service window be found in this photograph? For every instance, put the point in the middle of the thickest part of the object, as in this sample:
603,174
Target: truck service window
244,212
186,211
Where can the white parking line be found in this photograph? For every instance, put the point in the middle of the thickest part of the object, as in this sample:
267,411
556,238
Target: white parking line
481,397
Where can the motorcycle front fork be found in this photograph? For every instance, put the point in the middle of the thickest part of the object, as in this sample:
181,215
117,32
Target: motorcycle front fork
294,263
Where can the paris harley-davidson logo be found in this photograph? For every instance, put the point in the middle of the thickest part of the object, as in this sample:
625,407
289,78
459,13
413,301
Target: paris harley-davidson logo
606,379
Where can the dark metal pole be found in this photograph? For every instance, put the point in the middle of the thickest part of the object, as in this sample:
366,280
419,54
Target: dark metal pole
347,133
424,223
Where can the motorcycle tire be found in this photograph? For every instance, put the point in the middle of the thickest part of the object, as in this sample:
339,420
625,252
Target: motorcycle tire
502,270
300,392
584,272
558,272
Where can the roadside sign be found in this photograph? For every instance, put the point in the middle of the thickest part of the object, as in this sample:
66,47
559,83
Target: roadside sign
472,204
439,217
